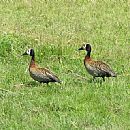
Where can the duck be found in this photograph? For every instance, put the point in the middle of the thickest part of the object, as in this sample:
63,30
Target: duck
96,68
42,75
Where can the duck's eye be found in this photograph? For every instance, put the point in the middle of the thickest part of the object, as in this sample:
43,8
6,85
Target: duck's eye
28,52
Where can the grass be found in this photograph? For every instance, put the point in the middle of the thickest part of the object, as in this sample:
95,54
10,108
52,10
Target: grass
56,29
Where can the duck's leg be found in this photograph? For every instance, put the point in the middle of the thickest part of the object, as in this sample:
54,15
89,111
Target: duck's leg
40,82
47,83
93,78
103,78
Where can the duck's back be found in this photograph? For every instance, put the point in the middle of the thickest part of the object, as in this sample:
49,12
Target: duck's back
43,75
98,69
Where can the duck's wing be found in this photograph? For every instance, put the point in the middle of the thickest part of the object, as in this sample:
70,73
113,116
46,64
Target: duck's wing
103,69
49,74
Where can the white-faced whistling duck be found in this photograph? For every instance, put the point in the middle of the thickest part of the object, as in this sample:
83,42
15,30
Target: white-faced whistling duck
41,75
96,68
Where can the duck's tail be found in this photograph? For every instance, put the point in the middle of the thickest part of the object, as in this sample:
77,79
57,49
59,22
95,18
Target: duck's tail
113,74
59,81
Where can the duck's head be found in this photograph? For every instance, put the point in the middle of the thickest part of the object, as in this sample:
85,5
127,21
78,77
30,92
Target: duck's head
29,52
85,46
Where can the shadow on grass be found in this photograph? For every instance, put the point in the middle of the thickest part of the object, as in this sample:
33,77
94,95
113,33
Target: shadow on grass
31,84
97,80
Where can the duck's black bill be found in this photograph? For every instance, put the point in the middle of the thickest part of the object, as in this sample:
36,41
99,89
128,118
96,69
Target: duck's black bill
24,53
80,49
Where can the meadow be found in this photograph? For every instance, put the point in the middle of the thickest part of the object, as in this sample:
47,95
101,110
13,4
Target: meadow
56,29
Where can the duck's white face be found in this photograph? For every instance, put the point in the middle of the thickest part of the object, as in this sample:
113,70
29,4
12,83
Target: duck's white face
28,51
84,46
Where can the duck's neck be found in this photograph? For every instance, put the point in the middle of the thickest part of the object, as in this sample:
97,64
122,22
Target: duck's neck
32,63
88,55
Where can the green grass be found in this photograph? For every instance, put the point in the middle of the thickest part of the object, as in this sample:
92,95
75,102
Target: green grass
56,29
